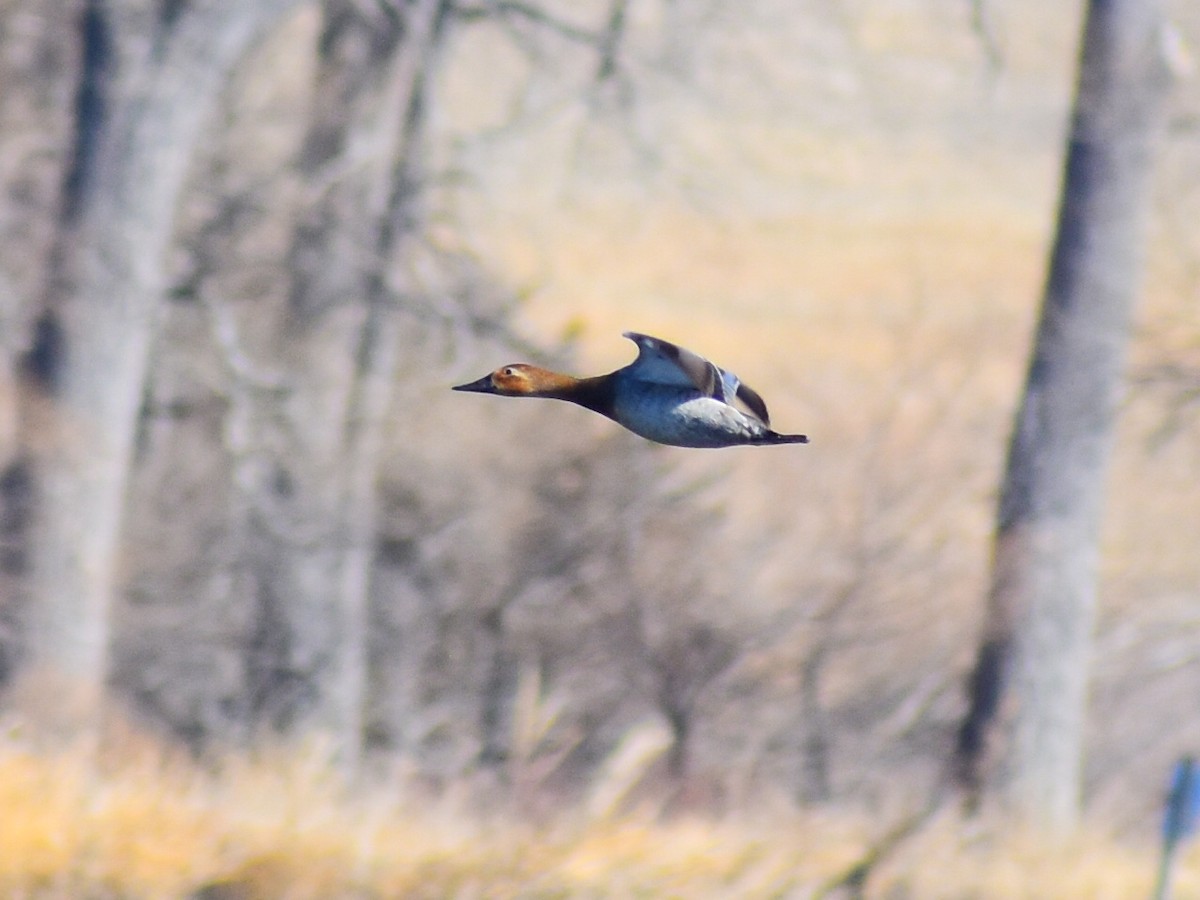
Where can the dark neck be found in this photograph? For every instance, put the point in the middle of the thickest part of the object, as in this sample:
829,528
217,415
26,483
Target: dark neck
594,393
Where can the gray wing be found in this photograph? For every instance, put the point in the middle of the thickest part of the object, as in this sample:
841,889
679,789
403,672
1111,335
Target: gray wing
662,362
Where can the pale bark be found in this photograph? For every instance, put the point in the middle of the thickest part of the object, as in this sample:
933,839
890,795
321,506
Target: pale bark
1029,689
340,350
107,311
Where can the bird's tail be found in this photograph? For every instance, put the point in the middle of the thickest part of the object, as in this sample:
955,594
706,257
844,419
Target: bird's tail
774,437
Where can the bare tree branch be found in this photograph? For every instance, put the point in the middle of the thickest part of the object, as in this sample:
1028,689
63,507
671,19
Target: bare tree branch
985,31
514,9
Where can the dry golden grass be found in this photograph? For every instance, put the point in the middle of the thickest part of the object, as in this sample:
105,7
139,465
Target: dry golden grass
134,821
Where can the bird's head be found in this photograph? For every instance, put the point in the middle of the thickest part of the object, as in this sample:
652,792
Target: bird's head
518,380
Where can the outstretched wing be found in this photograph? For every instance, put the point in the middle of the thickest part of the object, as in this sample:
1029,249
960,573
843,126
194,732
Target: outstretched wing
662,362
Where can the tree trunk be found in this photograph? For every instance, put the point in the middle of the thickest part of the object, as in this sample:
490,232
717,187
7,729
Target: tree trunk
340,349
103,313
1023,736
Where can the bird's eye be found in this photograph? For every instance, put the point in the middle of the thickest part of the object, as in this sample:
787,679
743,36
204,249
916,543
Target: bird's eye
508,371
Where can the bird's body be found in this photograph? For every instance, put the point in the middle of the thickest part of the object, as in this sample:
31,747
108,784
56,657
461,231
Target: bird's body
669,395
682,417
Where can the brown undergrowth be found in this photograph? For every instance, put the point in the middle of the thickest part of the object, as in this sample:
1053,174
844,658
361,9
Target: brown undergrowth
137,821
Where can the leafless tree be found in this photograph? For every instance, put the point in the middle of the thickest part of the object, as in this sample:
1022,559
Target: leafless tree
1028,690
351,270
148,83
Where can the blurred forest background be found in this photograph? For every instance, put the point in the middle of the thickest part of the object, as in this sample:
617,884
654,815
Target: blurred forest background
246,248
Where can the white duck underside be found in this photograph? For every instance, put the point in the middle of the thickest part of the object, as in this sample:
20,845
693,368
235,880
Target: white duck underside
685,418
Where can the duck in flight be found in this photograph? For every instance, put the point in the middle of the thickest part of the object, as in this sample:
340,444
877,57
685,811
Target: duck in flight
669,395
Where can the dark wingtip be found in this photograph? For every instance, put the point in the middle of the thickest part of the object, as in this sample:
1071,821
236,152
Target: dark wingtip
756,404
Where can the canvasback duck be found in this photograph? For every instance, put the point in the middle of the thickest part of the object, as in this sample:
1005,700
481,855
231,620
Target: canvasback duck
669,395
